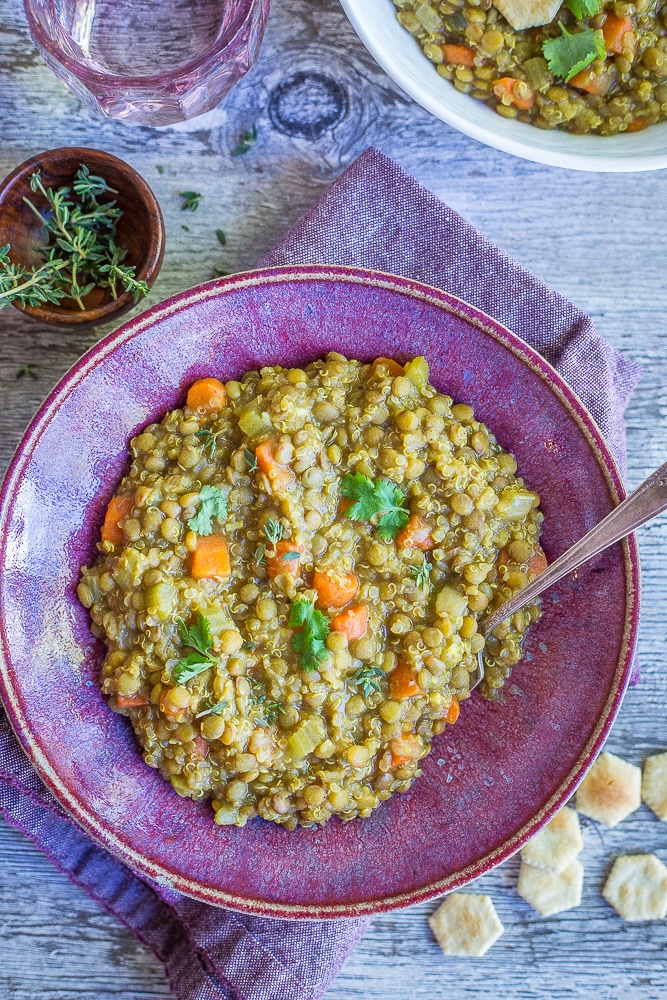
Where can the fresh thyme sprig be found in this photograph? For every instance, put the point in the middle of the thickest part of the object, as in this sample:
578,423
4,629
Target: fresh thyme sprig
366,678
212,709
274,531
421,573
191,200
270,709
28,369
80,252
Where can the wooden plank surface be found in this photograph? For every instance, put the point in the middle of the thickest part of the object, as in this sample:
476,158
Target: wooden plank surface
599,239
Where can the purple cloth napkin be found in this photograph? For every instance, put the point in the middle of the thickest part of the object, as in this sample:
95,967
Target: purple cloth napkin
376,216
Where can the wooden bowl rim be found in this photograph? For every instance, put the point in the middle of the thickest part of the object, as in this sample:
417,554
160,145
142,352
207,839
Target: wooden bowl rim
147,271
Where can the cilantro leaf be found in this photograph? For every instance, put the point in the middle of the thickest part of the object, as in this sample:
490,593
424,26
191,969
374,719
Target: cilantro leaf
583,8
212,504
198,635
376,497
310,641
569,54
190,666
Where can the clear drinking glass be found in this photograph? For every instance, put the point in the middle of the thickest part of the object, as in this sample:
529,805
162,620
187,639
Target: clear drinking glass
152,62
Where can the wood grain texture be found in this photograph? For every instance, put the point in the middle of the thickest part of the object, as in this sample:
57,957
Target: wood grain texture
599,239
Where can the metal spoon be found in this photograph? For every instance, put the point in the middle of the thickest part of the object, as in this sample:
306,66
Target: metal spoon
647,501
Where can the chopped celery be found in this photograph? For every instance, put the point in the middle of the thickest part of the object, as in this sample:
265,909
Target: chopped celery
129,569
450,602
514,503
161,599
254,423
303,740
417,371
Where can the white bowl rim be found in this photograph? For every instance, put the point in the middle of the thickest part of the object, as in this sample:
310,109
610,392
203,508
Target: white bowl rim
607,158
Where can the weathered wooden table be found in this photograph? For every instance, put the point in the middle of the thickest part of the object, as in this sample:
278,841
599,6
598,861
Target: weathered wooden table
599,239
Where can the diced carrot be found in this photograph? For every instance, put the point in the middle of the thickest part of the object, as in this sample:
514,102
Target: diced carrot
592,84
201,746
453,712
416,535
352,623
118,510
638,125
277,563
279,476
210,558
130,700
207,394
614,30
335,590
392,366
536,565
459,55
404,748
403,681
345,503
522,97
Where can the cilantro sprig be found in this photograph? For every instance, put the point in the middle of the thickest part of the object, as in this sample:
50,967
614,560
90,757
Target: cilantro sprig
376,498
310,641
572,52
212,504
198,637
583,8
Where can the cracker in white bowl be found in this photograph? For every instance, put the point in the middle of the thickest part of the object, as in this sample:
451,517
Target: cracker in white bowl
466,924
557,844
637,887
610,791
550,892
654,785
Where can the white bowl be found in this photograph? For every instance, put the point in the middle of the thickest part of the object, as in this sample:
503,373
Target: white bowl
401,57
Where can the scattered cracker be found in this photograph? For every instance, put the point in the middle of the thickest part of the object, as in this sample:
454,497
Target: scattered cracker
654,784
637,887
527,13
610,791
557,844
466,924
549,892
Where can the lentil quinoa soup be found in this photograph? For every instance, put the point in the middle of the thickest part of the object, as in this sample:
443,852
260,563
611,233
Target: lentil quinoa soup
612,78
290,578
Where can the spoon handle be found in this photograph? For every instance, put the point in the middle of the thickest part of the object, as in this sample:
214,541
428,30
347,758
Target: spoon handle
645,503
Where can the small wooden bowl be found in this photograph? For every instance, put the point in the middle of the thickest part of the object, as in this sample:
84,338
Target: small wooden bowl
140,228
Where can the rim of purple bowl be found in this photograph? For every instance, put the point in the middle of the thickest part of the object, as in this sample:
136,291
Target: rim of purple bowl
108,838
205,58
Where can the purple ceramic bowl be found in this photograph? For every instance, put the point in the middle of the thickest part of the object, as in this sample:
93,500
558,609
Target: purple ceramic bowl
492,780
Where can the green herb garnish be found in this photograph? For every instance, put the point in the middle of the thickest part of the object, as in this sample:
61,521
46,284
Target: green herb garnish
309,641
376,497
222,238
212,504
291,556
160,168
220,272
80,252
249,645
247,141
583,8
191,200
250,460
185,228
421,573
210,439
28,370
366,678
260,553
569,54
198,637
212,709
274,531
